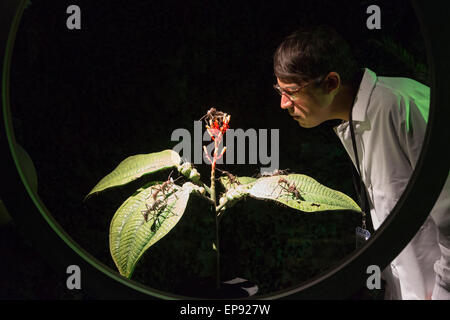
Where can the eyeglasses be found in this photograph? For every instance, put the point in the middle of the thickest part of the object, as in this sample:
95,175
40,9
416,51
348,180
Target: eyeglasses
291,94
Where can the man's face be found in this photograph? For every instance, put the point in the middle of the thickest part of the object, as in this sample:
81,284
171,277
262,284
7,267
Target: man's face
309,105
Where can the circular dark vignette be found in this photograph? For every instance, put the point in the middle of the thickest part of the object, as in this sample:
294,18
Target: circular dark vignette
103,282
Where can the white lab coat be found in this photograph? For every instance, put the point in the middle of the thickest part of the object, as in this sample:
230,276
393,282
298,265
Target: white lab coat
390,117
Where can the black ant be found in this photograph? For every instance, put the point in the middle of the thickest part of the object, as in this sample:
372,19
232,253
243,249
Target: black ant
291,188
315,205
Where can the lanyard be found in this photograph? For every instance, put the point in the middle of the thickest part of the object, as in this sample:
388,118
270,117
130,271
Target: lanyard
361,191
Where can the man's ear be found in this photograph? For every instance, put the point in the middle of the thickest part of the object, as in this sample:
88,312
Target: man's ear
332,82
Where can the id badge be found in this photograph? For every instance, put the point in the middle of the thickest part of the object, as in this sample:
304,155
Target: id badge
362,235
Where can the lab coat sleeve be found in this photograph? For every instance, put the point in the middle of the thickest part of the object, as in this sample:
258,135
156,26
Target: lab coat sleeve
411,133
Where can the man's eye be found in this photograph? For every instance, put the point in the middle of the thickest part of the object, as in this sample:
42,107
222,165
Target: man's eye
291,92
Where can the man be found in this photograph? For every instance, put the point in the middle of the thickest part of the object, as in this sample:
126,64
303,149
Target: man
318,81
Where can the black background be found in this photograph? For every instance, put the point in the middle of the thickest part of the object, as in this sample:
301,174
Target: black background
83,100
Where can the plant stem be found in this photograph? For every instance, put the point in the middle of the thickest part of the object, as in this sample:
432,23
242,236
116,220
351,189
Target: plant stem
213,197
213,185
217,252
217,139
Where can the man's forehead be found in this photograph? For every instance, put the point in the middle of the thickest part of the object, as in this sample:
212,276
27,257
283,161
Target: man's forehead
287,85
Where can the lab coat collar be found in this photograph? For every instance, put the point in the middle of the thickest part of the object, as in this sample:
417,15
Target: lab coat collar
359,109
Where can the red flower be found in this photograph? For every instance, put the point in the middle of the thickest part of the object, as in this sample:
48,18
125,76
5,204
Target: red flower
218,125
225,126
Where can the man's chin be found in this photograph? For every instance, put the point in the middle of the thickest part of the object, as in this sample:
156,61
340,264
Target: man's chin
305,124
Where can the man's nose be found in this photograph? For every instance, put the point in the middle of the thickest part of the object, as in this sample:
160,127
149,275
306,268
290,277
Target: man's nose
286,103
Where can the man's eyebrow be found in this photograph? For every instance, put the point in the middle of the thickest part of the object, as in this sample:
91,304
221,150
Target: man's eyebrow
291,87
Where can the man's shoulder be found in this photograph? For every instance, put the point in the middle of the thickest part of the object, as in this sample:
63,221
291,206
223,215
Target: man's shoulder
394,95
400,87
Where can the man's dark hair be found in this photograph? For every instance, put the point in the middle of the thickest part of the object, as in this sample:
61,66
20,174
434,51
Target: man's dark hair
310,54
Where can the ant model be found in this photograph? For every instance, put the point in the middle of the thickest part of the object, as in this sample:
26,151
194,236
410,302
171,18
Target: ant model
155,207
164,187
230,176
159,205
290,188
155,210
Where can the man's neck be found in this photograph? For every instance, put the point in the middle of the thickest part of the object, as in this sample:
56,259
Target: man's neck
345,99
343,103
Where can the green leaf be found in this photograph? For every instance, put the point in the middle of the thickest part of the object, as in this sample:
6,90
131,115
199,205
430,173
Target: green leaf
136,166
225,181
237,190
131,235
311,197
